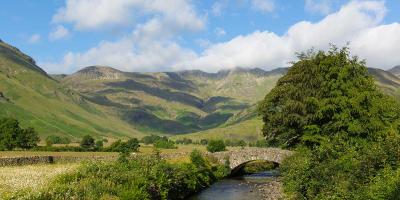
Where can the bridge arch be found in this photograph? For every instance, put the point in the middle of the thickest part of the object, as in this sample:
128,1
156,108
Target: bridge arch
242,156
238,168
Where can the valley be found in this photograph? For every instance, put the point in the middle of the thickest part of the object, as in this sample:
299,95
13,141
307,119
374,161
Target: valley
109,103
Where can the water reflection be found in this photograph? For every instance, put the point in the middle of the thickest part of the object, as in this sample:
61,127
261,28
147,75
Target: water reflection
237,188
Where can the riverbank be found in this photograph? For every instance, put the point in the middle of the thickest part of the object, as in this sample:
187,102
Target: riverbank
272,190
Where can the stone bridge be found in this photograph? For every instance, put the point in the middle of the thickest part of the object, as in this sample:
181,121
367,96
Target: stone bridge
242,156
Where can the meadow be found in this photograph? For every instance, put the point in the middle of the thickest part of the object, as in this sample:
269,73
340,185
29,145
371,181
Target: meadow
37,177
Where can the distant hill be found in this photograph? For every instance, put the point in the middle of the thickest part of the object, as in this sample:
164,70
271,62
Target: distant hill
387,82
28,94
106,102
395,70
174,102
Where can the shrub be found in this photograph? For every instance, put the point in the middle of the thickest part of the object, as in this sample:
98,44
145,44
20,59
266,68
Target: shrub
87,142
165,144
215,146
132,145
53,139
147,177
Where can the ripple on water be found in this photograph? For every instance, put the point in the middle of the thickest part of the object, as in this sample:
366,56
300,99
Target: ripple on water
238,188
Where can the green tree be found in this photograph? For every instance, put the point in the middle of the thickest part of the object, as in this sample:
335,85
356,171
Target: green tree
27,138
164,144
132,145
99,144
345,131
9,129
216,145
150,139
54,139
325,94
12,135
87,142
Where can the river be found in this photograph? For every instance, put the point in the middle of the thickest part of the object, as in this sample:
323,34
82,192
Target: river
261,185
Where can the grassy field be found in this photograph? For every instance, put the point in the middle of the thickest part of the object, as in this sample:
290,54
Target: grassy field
33,177
249,130
143,149
30,177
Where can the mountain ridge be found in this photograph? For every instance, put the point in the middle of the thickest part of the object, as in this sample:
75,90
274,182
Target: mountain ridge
107,102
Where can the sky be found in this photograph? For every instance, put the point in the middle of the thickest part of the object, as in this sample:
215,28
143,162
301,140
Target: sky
64,36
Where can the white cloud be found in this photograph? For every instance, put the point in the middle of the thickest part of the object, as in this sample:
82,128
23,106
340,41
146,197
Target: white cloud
203,43
149,47
219,32
319,6
35,38
127,54
358,22
100,14
152,46
59,32
263,5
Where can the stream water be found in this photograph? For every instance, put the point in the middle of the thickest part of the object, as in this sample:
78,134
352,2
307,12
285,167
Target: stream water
238,188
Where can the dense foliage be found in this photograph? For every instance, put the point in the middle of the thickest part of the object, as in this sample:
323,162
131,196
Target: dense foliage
132,145
13,136
53,139
87,142
141,178
151,139
345,131
216,145
164,144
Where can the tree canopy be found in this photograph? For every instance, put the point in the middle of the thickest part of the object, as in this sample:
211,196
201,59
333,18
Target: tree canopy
13,136
344,130
326,94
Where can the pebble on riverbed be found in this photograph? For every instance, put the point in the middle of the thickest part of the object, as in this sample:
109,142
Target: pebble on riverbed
271,190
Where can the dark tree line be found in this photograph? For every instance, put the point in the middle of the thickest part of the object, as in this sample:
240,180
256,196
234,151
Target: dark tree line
12,135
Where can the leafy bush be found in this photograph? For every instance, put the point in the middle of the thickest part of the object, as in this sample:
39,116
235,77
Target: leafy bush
13,136
53,139
132,145
344,130
216,145
147,177
165,144
87,142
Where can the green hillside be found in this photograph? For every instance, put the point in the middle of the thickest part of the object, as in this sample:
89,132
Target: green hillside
28,94
103,101
174,102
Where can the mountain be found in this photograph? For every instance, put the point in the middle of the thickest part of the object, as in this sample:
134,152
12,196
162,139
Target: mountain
395,70
386,81
106,102
174,102
30,95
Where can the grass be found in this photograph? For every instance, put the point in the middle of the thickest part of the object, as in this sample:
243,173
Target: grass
249,130
30,177
35,177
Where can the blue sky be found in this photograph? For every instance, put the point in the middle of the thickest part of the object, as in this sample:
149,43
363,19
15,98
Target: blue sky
163,35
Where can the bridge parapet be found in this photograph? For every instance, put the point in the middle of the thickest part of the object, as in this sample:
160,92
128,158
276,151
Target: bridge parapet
239,157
